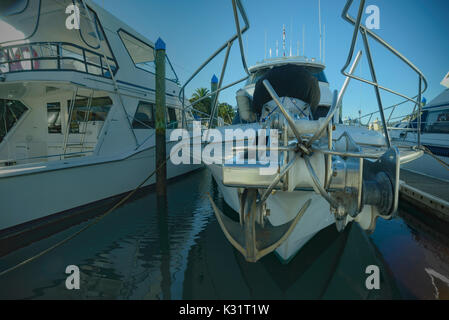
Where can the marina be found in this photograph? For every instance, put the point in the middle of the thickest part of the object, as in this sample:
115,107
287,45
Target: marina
180,253
121,180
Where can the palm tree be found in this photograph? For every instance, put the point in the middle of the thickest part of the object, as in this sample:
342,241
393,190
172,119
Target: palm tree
226,112
200,93
204,105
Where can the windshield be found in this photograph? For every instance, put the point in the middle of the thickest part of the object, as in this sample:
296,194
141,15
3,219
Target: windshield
257,75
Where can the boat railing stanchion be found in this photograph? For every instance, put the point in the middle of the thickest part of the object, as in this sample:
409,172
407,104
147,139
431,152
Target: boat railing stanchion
216,86
376,88
358,27
328,168
337,100
237,7
69,121
419,112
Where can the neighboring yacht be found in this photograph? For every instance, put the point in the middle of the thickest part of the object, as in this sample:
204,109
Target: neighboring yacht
76,109
434,136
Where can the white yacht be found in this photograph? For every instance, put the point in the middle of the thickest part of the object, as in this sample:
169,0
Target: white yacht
434,136
295,192
303,171
77,109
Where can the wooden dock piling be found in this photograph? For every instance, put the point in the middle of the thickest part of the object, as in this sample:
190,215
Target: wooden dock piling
161,122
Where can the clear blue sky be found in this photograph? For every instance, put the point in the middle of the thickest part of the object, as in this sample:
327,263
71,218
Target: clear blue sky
194,29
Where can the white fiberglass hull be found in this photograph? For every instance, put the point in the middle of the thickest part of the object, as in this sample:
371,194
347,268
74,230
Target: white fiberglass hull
28,197
284,206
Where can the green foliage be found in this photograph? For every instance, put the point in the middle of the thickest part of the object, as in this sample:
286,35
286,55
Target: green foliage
203,106
225,110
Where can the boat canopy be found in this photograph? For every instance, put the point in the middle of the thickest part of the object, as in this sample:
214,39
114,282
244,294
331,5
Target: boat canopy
37,30
45,21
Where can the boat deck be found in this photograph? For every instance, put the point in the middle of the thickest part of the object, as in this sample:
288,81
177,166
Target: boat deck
426,192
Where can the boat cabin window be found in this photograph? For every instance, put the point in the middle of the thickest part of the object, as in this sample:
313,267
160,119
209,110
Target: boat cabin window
9,8
321,76
10,113
54,117
172,122
88,110
141,54
256,76
18,19
144,117
437,121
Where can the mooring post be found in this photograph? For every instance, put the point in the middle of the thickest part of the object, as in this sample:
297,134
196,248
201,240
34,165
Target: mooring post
161,123
213,88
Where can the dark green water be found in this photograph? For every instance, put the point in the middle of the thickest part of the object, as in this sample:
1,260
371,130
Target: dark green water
176,250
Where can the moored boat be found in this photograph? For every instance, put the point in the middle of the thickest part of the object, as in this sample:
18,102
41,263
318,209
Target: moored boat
77,109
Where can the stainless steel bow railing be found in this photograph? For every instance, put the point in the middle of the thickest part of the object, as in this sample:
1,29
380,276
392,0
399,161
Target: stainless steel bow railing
365,32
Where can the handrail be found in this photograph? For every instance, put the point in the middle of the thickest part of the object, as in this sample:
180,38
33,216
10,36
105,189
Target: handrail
83,153
237,7
57,55
358,27
348,18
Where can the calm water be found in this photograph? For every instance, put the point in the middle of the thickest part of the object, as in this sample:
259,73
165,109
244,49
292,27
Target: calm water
146,250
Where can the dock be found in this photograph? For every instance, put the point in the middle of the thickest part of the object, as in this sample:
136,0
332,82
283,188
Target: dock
427,193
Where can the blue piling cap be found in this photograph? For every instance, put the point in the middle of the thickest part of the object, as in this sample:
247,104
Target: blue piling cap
214,79
160,44
424,100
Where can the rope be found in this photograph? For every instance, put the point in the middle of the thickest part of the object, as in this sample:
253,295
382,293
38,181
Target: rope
97,220
430,153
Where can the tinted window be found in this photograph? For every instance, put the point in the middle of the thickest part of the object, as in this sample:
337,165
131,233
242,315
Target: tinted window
321,77
10,113
141,54
96,110
437,122
172,122
144,117
12,7
54,117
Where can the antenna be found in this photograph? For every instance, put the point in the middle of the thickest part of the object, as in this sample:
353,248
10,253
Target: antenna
266,44
319,21
291,35
304,40
283,39
324,44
